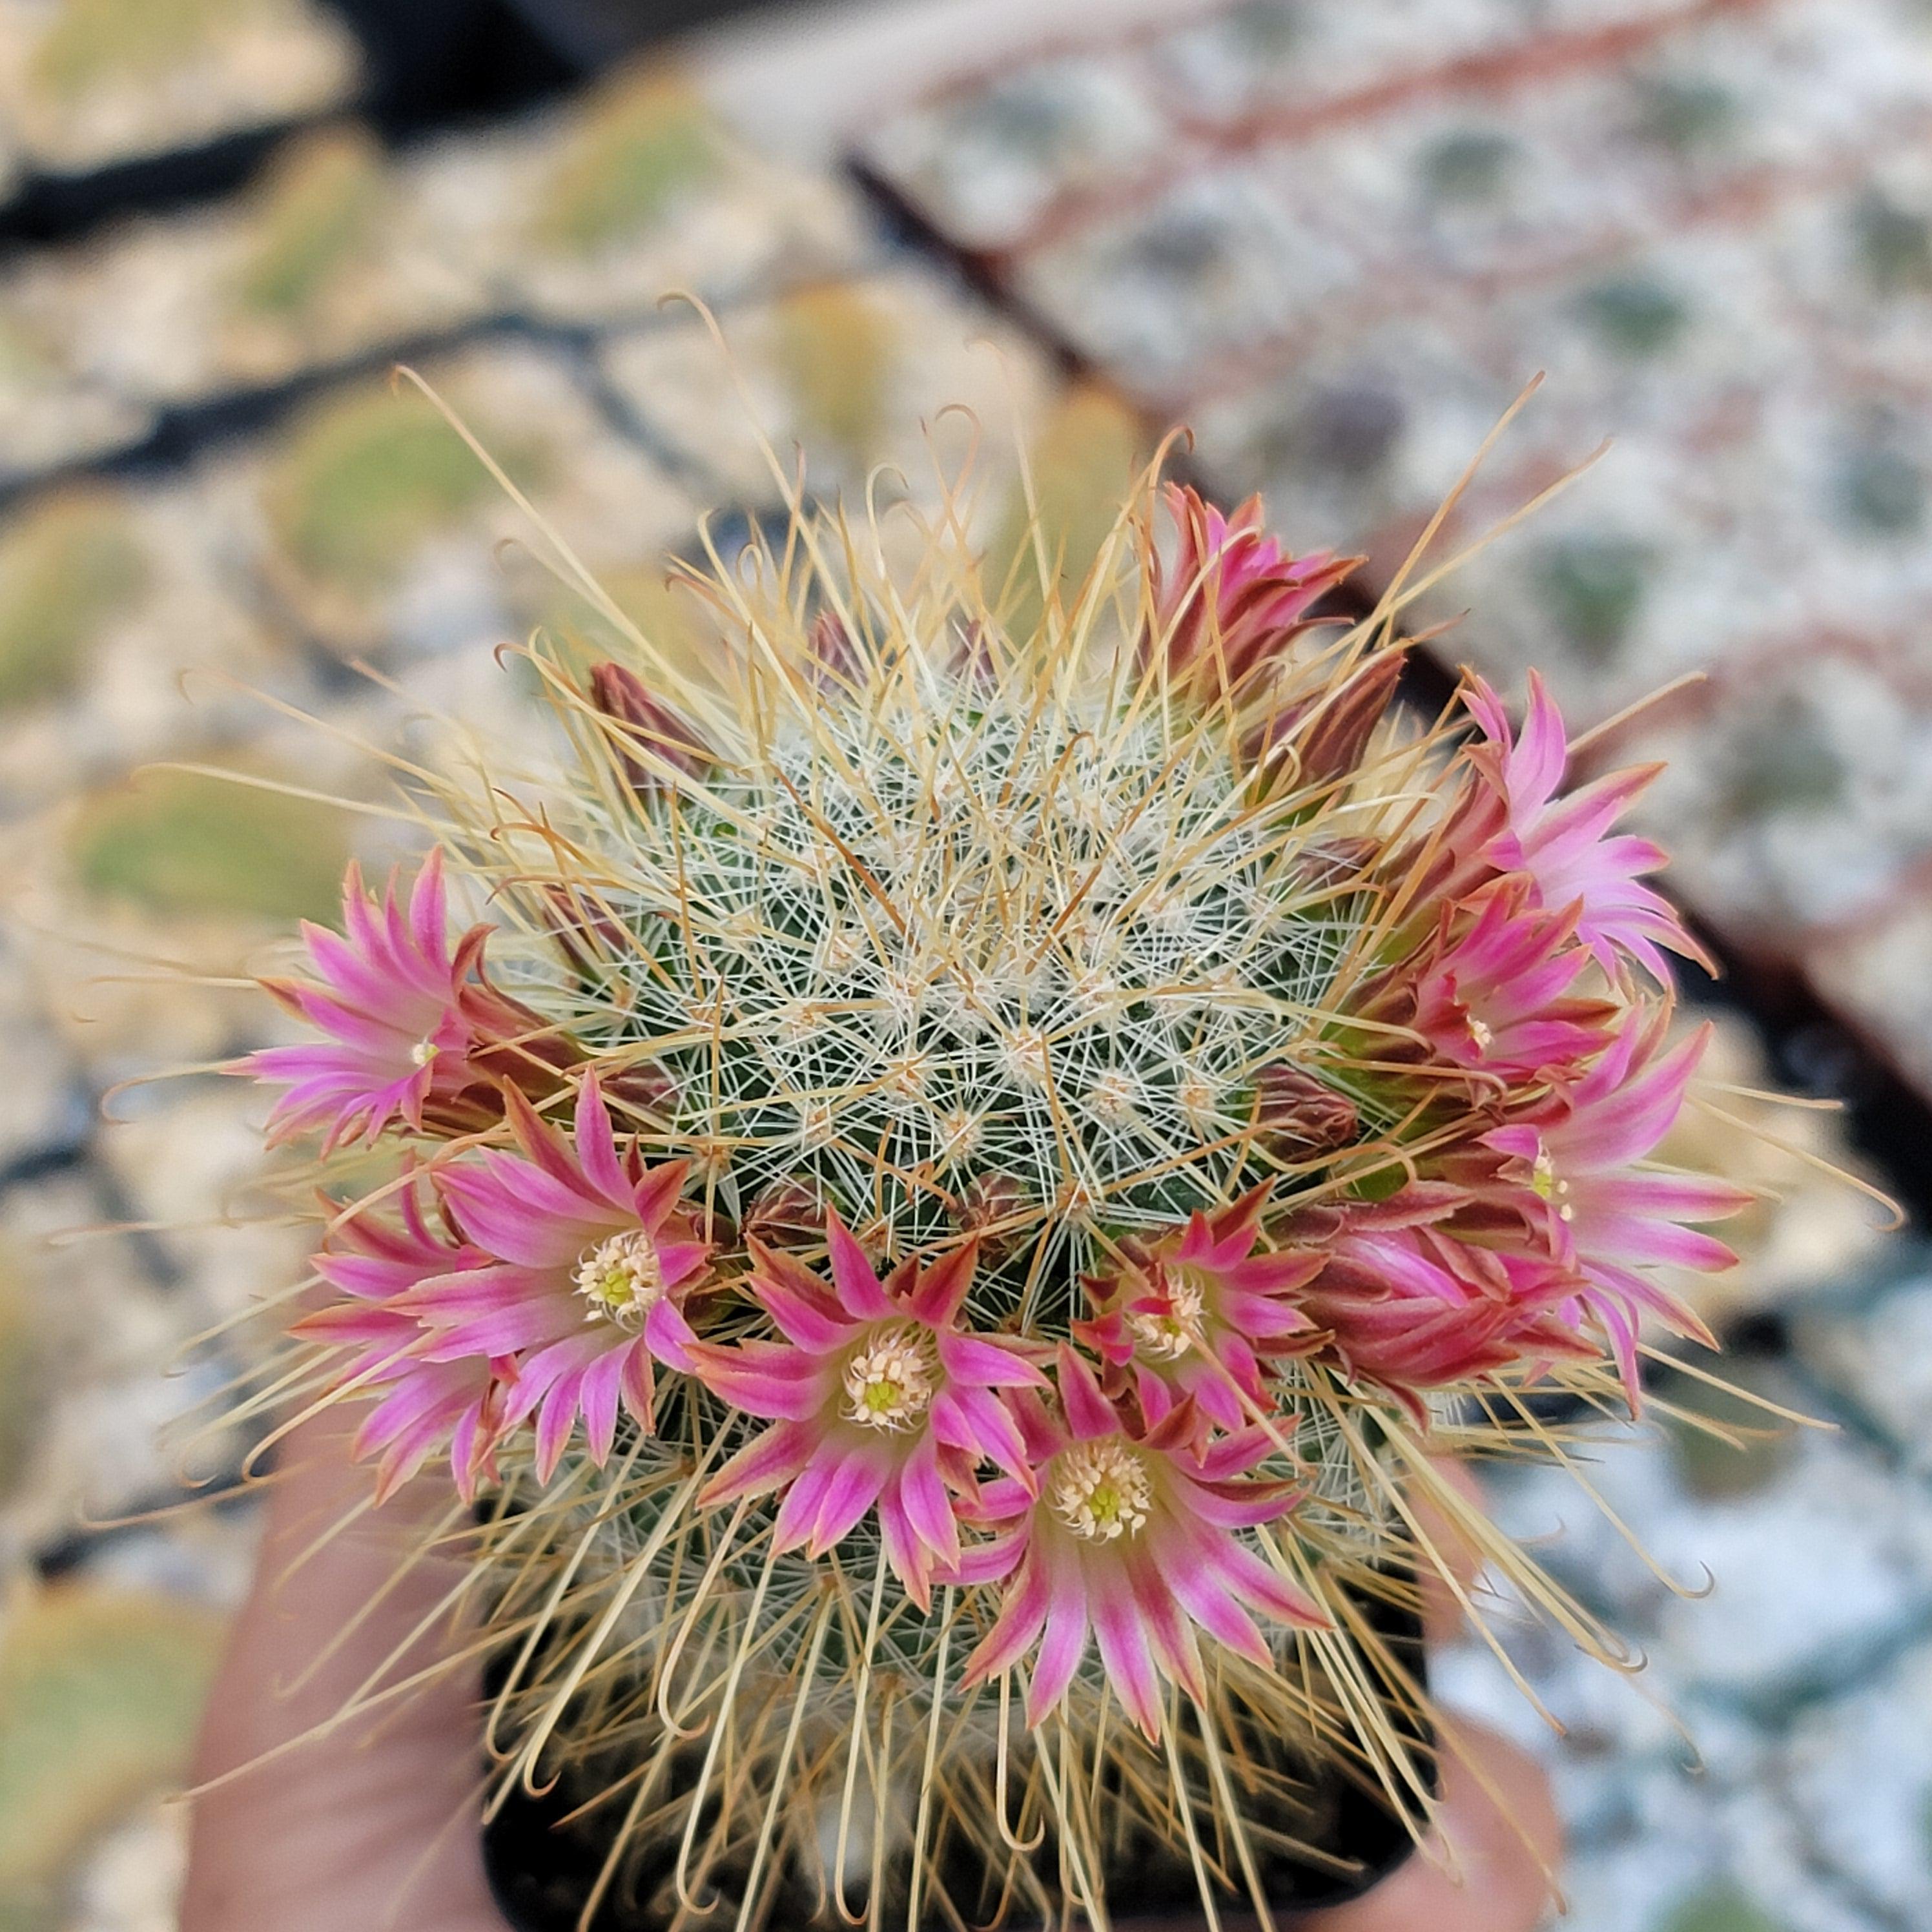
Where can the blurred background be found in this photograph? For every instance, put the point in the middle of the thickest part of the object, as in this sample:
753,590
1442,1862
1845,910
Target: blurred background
1335,239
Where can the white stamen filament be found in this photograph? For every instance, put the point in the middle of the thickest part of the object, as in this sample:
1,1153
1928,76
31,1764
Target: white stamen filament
1101,1491
888,1381
1176,1329
622,1279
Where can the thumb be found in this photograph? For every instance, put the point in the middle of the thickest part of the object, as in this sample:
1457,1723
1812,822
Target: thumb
1489,1865
318,1825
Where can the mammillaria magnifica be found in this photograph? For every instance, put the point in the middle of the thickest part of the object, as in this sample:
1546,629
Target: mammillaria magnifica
988,1157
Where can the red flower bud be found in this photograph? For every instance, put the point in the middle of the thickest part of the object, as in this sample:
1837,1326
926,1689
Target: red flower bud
834,657
583,928
1294,1113
996,1208
1234,598
785,1213
646,1088
1321,738
621,696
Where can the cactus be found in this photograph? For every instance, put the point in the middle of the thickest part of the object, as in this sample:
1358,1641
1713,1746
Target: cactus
99,1691
89,39
67,567
1082,455
319,208
943,1212
173,843
1721,1908
648,137
365,478
836,346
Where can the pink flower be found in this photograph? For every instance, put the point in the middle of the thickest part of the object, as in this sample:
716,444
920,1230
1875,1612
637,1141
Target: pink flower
414,1031
1410,1308
874,1396
1491,992
1518,824
1569,1170
1234,598
1192,1315
1133,1539
586,1260
423,1406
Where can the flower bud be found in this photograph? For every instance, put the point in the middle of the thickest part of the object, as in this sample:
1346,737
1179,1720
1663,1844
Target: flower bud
833,658
1335,862
1295,1113
646,1088
583,928
996,1208
621,696
785,1213
1234,598
1323,738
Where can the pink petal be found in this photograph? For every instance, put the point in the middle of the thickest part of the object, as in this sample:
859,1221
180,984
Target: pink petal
860,1291
769,1379
774,1455
1089,1414
1062,1644
928,1508
853,1489
597,1147
1124,1651
1022,1614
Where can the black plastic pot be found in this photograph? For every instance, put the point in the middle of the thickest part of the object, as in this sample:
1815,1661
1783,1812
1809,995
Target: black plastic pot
542,1867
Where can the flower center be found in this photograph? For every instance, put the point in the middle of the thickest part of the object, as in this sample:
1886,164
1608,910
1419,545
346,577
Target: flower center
889,1380
422,1053
1173,1329
622,1279
1100,1490
1546,1185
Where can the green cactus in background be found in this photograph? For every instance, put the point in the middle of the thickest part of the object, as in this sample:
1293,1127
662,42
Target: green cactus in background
70,564
1893,245
363,480
22,1345
177,843
91,40
837,347
1084,447
319,210
99,1692
1721,1908
1470,165
647,137
1685,114
1635,315
1592,588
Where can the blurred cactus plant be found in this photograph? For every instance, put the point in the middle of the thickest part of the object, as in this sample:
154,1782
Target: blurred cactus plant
319,210
837,346
68,566
174,843
100,1690
646,139
87,41
364,478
